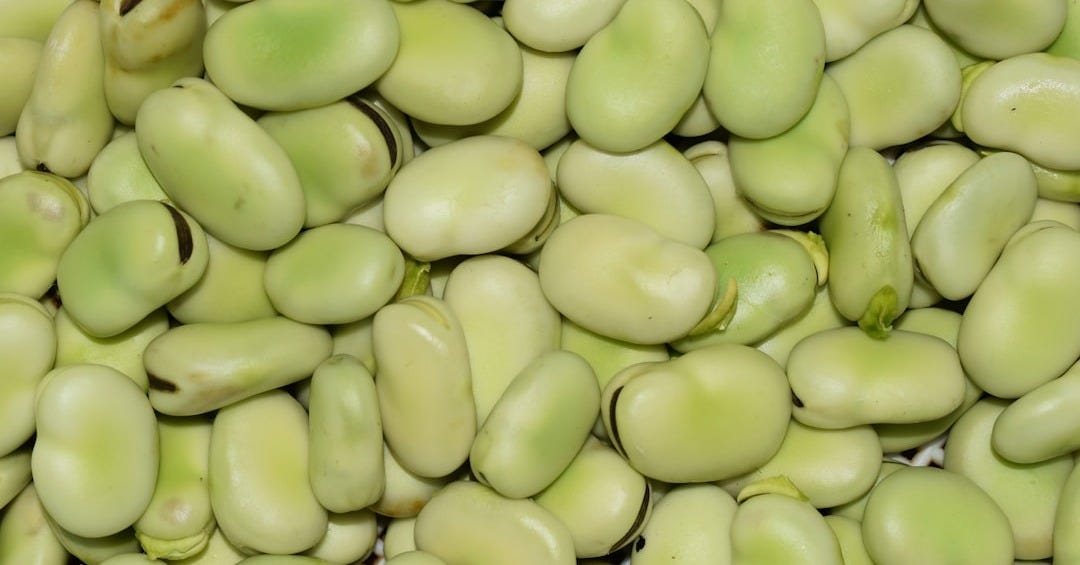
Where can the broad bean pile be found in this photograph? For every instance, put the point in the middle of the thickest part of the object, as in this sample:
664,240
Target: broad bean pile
551,282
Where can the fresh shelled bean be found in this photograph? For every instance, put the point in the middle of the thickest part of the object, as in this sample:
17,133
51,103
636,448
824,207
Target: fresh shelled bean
457,282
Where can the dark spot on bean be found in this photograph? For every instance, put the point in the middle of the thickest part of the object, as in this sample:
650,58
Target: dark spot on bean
639,521
158,383
640,545
127,6
385,129
615,441
184,243
42,168
796,400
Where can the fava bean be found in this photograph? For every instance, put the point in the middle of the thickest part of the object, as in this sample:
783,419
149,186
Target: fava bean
25,536
1042,424
349,538
14,474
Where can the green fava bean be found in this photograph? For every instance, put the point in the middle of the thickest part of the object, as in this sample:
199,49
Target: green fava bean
349,538
310,53
19,58
842,378
944,324
132,559
625,95
470,523
613,276
259,485
1014,336
734,215
196,368
849,24
356,339
95,459
137,35
656,186
1067,520
999,29
821,315
404,493
688,526
1043,89
602,500
924,173
765,64
218,165
778,528
497,187
28,347
66,119
537,426
424,385
283,560
537,115
344,153
40,215
507,322
1067,43
605,355
454,66
655,414
179,520
119,174
927,515
900,86
398,537
129,262
9,157
1067,213
14,474
230,290
854,509
956,242
126,90
415,558
1027,494
775,281
346,436
30,21
848,533
218,551
1057,185
1042,424
334,274
25,537
557,27
764,170
94,551
831,467
869,252
123,352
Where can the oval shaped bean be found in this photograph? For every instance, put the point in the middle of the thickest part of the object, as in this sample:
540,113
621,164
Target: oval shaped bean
734,215
425,385
40,214
926,515
776,528
119,174
623,96
259,481
94,551
218,165
964,230
196,368
96,455
28,347
1013,336
179,520
345,436
900,86
602,500
791,178
869,251
138,35
297,60
398,537
831,467
619,278
689,419
999,29
457,78
849,24
472,196
470,523
842,378
537,426
404,493
925,172
1042,424
25,536
349,538
558,27
848,533
765,63
334,274
230,290
688,526
656,186
1027,494
1027,104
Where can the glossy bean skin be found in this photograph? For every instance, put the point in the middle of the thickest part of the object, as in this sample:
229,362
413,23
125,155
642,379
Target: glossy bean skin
670,538
777,528
1042,424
